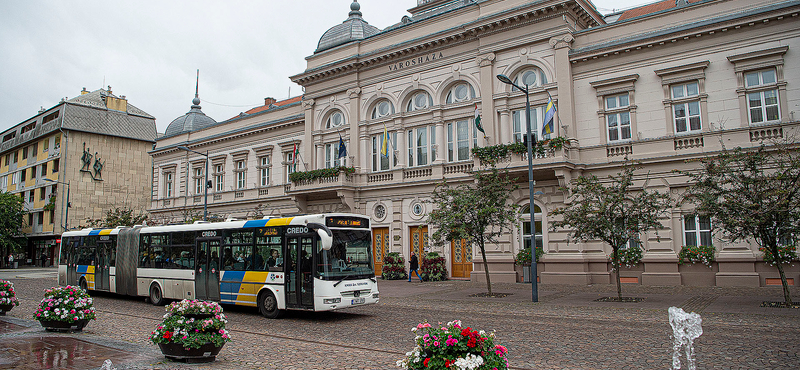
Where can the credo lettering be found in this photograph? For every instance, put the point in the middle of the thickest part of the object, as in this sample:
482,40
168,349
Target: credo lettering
209,234
297,230
416,61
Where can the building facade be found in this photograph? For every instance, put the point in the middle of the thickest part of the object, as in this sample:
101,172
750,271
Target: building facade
661,84
90,152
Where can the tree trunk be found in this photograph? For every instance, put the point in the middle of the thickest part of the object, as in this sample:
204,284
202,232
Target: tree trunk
787,298
485,266
615,263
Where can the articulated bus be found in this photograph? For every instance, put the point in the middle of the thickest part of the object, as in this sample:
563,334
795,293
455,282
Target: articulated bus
316,262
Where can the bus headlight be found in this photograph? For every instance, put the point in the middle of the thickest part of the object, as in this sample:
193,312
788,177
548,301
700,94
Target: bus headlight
331,300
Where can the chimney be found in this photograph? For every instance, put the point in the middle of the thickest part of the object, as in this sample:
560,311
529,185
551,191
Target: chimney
269,101
679,3
84,91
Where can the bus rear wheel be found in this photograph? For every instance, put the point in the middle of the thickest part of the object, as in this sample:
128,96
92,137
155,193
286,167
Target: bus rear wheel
84,285
156,298
268,305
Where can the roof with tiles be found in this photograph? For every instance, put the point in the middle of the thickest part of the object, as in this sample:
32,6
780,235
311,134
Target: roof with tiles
652,8
276,104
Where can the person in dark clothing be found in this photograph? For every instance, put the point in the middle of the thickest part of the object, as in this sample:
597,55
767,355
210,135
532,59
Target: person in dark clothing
414,266
43,258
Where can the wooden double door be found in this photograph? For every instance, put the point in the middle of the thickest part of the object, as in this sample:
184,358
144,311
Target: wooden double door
380,247
461,259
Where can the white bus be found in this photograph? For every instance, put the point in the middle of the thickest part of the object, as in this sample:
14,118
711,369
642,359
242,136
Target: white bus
316,262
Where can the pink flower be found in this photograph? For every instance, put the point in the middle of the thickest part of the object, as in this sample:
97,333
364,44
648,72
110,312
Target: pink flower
436,343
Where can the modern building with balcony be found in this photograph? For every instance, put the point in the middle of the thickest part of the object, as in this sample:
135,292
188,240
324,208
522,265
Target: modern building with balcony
89,152
662,84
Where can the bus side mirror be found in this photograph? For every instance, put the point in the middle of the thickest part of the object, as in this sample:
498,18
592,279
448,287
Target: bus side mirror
325,234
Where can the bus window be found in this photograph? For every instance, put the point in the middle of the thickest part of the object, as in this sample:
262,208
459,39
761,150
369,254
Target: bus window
181,257
268,254
144,252
238,247
66,249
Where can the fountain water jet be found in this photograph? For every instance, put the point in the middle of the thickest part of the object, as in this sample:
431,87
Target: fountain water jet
686,327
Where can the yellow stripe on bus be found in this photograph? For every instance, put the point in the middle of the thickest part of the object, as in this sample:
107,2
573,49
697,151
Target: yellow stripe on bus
105,232
279,221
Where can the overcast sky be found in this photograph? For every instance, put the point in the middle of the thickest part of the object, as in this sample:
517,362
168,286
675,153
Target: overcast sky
149,50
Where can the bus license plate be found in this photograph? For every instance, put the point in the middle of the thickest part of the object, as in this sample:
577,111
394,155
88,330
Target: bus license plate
358,301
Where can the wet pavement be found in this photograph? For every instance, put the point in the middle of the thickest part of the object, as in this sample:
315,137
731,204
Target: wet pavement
567,329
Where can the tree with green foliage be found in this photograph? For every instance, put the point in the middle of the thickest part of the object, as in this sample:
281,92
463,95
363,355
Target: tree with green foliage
753,195
12,220
119,217
614,212
478,211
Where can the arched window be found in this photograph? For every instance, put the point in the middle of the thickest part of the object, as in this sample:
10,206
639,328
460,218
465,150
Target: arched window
336,119
532,77
382,109
525,215
419,100
460,92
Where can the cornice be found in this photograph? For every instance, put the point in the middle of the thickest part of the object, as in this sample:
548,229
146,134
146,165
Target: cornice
481,27
707,28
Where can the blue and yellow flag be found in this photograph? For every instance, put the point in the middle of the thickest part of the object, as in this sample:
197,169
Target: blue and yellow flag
549,118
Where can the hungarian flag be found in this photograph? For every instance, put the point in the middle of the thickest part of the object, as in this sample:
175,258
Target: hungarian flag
478,120
295,154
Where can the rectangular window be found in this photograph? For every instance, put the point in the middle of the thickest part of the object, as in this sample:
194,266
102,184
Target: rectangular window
39,218
16,157
31,195
762,105
219,178
55,165
52,216
24,154
46,144
379,161
241,174
198,181
168,184
35,149
22,175
697,230
519,123
57,142
332,156
618,117
420,148
263,171
3,183
43,171
686,113
14,177
8,159
42,193
458,141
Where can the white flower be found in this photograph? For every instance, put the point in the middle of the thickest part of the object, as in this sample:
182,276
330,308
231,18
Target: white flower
470,362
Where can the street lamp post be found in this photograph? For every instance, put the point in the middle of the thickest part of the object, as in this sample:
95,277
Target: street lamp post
531,143
205,182
65,225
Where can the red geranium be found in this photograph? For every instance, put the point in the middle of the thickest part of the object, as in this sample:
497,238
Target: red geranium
167,334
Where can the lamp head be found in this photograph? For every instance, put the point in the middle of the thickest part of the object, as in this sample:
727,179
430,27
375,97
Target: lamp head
504,79
181,147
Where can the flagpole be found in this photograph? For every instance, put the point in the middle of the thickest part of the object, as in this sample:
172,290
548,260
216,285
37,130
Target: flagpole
560,124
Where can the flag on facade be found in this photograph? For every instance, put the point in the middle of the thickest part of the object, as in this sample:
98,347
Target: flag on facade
549,118
478,120
342,149
384,147
295,154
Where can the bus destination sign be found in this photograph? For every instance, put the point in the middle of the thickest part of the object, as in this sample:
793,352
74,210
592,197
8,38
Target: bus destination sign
267,231
347,222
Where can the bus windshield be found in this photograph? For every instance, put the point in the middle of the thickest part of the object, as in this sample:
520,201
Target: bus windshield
349,257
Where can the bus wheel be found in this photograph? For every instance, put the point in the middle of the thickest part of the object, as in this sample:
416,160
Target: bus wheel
268,305
84,285
156,298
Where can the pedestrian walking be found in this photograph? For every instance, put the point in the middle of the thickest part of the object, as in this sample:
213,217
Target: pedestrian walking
43,258
10,260
414,267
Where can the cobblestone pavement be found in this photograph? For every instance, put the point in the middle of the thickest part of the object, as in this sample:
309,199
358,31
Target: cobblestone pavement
567,329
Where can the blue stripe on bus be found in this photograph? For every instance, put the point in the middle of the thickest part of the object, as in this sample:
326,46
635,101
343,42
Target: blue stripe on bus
95,232
82,269
256,223
231,283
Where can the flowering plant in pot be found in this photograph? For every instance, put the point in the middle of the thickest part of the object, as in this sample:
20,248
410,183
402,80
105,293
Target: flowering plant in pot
393,267
453,346
433,267
8,298
65,308
192,329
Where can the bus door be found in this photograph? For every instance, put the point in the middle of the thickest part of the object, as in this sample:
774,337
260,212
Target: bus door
102,263
206,271
72,260
300,284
